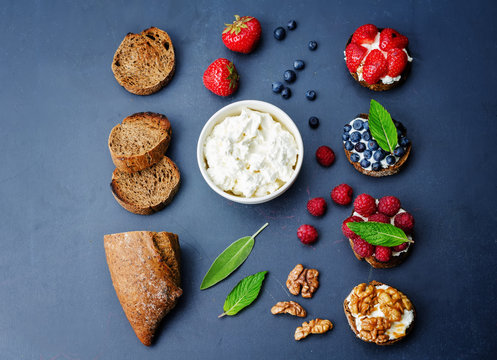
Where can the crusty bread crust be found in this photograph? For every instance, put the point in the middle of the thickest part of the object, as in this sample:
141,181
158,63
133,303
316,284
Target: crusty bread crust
351,320
144,63
391,170
136,162
142,279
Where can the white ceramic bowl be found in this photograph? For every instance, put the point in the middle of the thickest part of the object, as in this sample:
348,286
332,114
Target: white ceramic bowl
233,110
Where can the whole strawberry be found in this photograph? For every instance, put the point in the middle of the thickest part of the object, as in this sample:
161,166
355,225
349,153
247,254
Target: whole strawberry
221,77
243,35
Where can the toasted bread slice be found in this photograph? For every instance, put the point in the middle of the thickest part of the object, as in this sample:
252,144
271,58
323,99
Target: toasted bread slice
352,324
144,63
140,141
149,190
391,170
143,280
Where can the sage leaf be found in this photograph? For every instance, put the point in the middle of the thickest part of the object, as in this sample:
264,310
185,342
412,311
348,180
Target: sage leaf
382,127
243,294
377,233
229,260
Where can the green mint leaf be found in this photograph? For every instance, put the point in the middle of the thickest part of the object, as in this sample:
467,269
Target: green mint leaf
377,233
229,260
382,127
243,294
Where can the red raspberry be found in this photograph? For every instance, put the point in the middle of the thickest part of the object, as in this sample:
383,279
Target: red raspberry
379,217
389,39
362,247
364,34
397,60
325,156
354,54
383,253
342,194
405,221
345,229
365,205
400,247
389,205
307,234
316,206
375,67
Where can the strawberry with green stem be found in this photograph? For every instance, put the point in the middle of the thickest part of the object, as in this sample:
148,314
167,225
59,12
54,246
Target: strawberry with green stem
243,35
221,77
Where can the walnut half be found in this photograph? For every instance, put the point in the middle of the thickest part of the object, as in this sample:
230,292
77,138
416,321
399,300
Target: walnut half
316,326
303,281
289,307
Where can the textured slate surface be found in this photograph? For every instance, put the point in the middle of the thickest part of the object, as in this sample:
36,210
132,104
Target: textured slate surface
59,102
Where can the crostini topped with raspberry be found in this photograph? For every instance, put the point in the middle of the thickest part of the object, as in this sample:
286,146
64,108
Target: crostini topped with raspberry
378,58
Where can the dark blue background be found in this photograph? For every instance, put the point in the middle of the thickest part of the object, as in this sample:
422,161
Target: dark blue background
59,101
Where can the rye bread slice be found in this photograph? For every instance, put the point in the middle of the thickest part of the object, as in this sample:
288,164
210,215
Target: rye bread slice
140,141
391,170
142,279
352,325
144,63
147,191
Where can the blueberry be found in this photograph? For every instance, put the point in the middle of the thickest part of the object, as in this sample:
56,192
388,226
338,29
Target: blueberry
312,45
354,157
379,155
345,136
365,163
313,122
289,76
404,141
355,136
349,146
279,33
357,124
367,154
376,166
277,87
286,93
390,159
298,64
360,147
292,25
310,95
366,135
399,151
347,128
366,125
372,145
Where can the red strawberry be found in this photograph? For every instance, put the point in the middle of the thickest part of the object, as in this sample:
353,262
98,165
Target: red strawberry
243,35
390,39
221,77
354,54
364,34
397,60
375,67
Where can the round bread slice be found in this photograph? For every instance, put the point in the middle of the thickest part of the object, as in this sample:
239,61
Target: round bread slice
144,63
147,191
352,324
140,141
391,170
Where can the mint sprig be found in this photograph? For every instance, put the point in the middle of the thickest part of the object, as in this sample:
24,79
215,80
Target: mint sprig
377,233
382,127
243,294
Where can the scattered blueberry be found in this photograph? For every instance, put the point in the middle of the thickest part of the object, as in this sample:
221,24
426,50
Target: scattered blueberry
286,93
345,136
289,76
379,155
360,147
399,151
390,160
292,25
310,95
365,163
366,136
372,145
354,157
404,141
366,125
312,45
313,122
349,146
357,124
355,136
347,128
298,64
277,87
367,154
279,33
376,166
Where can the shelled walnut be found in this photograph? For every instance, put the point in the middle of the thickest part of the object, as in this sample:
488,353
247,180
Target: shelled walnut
316,326
303,281
288,307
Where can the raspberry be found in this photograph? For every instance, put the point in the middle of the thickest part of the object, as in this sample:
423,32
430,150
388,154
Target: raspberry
365,205
345,229
405,221
307,234
383,253
342,194
362,247
389,205
325,156
400,247
316,206
379,217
